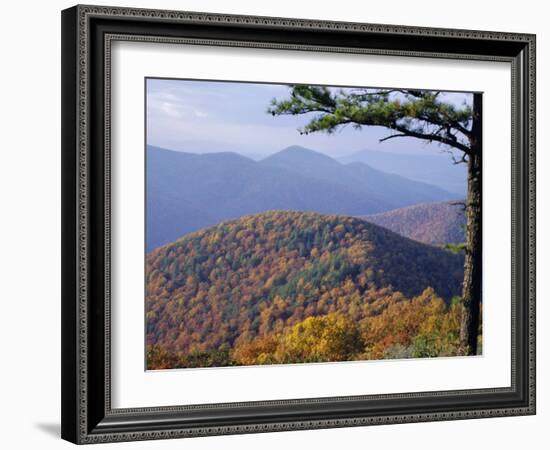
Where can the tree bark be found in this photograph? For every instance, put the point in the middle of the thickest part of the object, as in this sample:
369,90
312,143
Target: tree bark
471,288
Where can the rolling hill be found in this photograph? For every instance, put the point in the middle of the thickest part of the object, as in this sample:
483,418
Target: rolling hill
262,273
187,192
434,169
433,223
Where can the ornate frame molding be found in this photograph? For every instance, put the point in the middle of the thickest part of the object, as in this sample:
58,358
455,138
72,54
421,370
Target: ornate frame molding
87,422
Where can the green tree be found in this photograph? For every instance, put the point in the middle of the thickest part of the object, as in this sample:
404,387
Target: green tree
419,114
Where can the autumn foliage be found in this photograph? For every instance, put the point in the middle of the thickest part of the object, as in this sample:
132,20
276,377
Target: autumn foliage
289,287
431,223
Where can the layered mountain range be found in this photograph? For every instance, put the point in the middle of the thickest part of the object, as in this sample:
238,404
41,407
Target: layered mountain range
435,169
187,191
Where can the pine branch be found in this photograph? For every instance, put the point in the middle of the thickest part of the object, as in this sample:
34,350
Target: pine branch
415,115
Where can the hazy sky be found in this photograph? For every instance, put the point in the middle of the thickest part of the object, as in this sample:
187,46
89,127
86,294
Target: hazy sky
205,116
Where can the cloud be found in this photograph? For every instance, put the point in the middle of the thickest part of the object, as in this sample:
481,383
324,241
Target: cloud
199,116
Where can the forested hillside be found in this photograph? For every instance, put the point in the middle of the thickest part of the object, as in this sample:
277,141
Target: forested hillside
432,223
286,286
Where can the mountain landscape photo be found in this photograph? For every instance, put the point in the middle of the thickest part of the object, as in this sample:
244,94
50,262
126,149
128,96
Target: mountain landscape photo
265,245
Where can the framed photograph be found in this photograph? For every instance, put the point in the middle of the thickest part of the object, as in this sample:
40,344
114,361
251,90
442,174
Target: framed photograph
279,224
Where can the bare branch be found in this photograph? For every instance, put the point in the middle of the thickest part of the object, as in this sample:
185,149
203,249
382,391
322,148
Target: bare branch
432,137
452,123
461,160
457,203
392,136
460,128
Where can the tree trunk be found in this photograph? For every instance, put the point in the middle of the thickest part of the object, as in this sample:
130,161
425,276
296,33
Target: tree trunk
471,288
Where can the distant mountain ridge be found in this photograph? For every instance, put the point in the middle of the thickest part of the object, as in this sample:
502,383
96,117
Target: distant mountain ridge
187,191
433,223
434,169
391,190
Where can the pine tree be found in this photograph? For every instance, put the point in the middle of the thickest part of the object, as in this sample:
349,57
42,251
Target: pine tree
419,114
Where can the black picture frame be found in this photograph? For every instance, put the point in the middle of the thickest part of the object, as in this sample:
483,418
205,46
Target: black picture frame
87,416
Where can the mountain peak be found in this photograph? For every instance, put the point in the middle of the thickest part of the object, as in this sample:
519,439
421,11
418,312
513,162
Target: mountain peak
298,149
302,160
300,154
